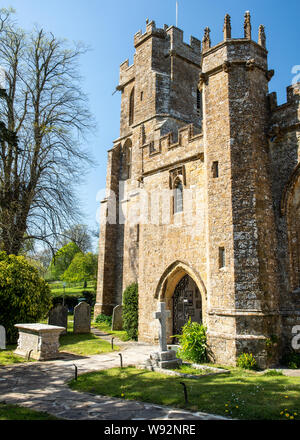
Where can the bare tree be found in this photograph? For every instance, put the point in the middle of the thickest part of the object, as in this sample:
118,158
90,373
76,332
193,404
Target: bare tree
43,104
78,234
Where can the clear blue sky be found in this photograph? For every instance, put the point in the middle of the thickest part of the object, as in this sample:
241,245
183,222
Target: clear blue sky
108,27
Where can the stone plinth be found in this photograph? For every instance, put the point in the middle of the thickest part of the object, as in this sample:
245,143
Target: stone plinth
164,359
41,340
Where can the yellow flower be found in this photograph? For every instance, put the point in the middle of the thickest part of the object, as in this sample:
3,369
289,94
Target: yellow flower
295,414
291,417
286,397
122,395
226,404
226,410
287,415
237,406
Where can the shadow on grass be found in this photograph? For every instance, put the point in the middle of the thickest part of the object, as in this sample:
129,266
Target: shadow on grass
238,395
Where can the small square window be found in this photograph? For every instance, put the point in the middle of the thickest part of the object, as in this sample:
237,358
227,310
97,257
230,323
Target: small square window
221,257
215,170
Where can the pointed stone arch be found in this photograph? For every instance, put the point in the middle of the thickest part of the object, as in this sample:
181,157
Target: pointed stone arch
168,283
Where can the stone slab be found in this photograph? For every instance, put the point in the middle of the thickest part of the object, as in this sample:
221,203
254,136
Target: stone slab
82,318
2,338
117,318
40,341
58,316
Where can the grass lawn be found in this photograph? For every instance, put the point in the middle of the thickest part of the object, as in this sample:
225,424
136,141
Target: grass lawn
85,345
13,412
57,288
105,328
7,357
240,394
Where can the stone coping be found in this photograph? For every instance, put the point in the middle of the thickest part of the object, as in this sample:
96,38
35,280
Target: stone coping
39,328
214,370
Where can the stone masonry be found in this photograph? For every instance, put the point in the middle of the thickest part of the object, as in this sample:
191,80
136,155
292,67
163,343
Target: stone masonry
204,183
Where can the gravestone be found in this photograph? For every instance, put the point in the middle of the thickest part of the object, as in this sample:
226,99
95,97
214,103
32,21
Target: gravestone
163,358
82,318
58,316
2,338
117,319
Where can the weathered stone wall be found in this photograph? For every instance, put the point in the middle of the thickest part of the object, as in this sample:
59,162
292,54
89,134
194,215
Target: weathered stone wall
284,145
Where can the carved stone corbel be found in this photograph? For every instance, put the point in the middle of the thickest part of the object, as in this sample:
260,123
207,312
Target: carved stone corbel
226,66
203,79
250,64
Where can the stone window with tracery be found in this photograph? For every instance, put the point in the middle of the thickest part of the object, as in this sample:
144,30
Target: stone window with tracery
177,183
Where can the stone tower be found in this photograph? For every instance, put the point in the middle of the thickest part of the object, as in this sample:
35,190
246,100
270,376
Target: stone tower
201,200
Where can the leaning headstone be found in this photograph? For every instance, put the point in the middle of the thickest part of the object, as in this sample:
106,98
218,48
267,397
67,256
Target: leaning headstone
163,358
117,319
2,338
58,316
82,318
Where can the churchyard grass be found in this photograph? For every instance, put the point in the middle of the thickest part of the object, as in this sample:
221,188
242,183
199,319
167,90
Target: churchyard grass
105,328
83,344
240,395
58,289
7,357
13,412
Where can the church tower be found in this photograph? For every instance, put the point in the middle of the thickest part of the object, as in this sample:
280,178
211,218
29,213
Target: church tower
202,193
243,284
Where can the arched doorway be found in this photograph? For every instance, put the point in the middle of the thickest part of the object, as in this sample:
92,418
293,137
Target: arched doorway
166,287
187,304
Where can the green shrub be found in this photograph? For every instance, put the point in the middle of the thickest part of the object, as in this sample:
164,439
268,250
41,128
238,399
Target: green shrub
130,311
291,360
24,296
193,345
247,361
104,318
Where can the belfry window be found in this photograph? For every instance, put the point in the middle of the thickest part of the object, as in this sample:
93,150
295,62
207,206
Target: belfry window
178,197
131,107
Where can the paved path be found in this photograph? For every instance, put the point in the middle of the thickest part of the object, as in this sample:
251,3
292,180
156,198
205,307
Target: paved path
42,386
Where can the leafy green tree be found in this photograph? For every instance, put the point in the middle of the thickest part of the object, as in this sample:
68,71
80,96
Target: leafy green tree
82,268
24,296
131,311
62,259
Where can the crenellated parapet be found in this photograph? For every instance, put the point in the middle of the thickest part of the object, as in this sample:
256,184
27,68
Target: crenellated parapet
127,74
165,151
285,117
